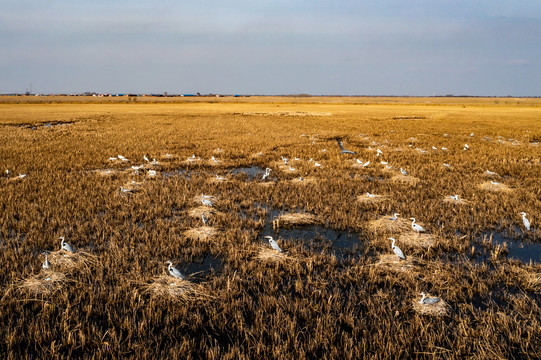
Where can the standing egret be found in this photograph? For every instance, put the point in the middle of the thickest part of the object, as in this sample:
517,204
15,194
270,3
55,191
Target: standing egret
525,221
394,217
65,246
343,150
273,243
174,272
46,264
379,152
416,227
266,174
404,172
366,163
205,201
428,300
397,250
145,158
8,172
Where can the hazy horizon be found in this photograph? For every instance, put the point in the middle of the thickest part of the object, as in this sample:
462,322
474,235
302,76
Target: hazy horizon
396,48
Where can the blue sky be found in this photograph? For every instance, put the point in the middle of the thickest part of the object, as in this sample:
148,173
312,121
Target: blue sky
395,47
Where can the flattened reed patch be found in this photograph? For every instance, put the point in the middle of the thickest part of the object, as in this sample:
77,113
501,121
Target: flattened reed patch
459,201
63,260
292,219
200,210
371,199
417,239
385,224
268,254
494,187
178,290
440,308
304,181
405,179
393,262
201,233
44,283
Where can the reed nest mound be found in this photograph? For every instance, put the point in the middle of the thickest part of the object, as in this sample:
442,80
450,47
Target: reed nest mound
304,181
405,179
200,210
365,199
385,225
394,263
441,308
422,240
44,283
499,187
63,260
460,201
106,172
267,254
296,219
178,290
133,186
201,233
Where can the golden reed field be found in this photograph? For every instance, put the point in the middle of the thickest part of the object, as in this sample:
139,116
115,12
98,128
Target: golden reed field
337,290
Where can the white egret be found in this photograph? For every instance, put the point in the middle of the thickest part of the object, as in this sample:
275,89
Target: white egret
383,162
525,221
471,135
317,164
488,172
434,148
466,147
366,163
404,172
267,173
371,195
152,173
301,179
112,158
359,161
22,176
8,173
174,272
214,159
218,177
397,250
124,190
444,148
454,197
46,264
494,182
205,201
416,227
121,157
311,159
65,246
145,158
273,243
296,158
447,165
394,217
379,152
428,300
292,169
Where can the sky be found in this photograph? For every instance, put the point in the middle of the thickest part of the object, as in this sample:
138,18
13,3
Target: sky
324,47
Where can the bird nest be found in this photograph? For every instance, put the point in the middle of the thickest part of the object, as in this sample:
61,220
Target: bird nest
64,260
417,239
440,308
198,211
175,289
44,283
105,172
201,233
373,199
459,201
266,254
293,219
132,186
393,262
499,187
304,181
385,224
405,179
